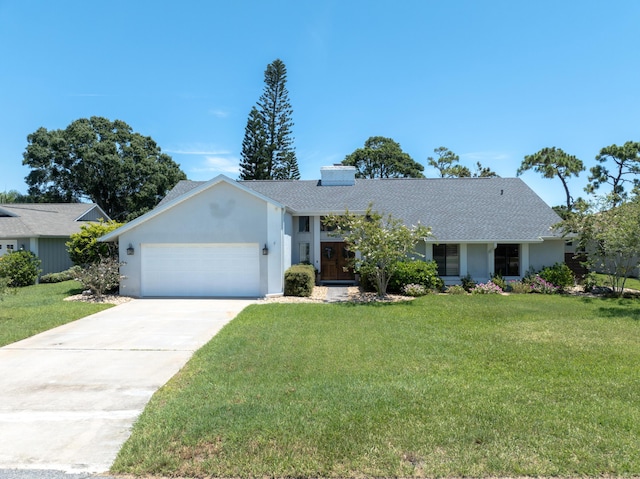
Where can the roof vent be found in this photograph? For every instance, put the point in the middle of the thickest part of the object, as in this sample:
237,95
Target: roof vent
338,175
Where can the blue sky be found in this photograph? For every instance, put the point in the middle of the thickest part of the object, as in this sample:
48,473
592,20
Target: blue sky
490,80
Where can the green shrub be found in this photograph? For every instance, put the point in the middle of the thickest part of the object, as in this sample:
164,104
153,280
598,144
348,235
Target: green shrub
468,283
559,275
518,287
61,276
499,281
299,280
83,247
590,281
456,289
424,273
21,268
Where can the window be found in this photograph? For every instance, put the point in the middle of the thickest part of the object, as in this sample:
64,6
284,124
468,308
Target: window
305,253
303,224
447,257
507,260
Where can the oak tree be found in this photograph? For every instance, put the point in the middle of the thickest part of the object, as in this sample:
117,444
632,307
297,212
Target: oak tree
383,158
102,161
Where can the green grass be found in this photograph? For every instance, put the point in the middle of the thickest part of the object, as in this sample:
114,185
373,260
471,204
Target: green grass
524,385
34,309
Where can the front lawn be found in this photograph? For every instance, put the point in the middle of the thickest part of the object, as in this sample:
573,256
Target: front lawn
34,309
522,385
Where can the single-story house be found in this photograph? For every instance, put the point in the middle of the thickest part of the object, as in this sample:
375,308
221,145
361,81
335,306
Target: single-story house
236,238
44,228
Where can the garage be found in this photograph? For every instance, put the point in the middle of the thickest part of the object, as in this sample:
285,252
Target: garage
200,270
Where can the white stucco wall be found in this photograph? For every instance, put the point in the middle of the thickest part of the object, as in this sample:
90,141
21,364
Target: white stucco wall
544,254
221,214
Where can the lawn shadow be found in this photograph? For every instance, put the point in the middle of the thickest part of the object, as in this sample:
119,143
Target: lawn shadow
616,307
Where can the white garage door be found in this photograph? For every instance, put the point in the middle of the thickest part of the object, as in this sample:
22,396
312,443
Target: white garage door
200,270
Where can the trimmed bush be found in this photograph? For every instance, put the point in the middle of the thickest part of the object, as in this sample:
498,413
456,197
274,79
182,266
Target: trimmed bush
83,247
299,280
21,268
424,273
61,276
540,285
559,275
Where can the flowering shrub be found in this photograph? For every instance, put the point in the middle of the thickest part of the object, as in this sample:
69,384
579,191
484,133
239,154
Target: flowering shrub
100,278
486,288
413,289
539,285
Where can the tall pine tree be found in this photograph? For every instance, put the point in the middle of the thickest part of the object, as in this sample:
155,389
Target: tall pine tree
267,148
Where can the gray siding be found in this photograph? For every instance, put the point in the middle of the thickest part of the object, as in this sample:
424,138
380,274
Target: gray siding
53,254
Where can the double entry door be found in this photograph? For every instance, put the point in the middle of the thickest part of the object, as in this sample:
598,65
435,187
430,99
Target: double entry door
334,262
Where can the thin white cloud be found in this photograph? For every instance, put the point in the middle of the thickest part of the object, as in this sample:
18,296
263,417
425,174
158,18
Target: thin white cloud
218,164
219,113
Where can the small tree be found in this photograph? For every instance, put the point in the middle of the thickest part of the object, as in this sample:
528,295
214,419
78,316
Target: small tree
100,277
84,248
380,243
611,237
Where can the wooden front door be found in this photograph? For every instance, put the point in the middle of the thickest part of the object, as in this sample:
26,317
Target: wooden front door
334,263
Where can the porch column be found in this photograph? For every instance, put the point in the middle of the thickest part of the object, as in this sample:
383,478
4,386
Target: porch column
315,228
491,254
524,258
463,259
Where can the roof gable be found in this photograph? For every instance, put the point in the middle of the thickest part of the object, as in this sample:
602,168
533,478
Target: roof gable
182,192
20,220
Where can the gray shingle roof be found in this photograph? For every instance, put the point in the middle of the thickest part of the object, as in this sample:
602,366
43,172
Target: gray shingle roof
42,219
456,209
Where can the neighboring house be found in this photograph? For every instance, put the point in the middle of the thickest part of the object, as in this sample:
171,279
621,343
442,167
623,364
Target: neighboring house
43,229
237,238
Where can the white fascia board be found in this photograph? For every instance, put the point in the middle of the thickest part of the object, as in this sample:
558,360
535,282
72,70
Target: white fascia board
482,241
113,235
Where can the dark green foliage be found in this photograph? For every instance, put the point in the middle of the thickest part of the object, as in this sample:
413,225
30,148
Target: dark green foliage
468,283
267,148
84,248
499,281
21,268
96,159
383,158
299,280
617,166
66,275
424,273
552,163
559,275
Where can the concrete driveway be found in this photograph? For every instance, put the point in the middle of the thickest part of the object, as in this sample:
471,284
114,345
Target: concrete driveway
69,396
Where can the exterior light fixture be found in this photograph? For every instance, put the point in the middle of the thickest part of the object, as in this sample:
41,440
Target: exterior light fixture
130,250
265,250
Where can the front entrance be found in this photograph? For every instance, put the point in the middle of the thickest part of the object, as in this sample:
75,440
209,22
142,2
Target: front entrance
334,262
